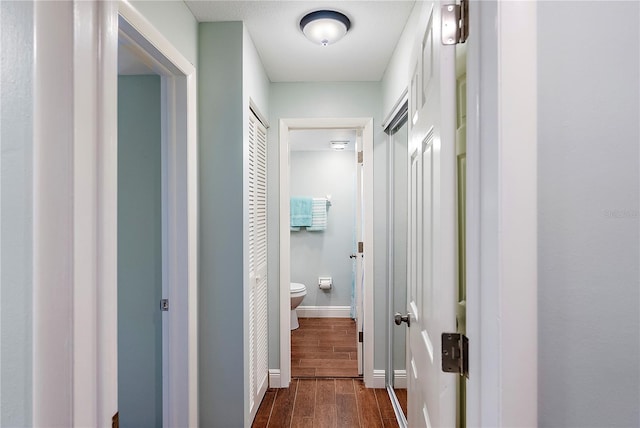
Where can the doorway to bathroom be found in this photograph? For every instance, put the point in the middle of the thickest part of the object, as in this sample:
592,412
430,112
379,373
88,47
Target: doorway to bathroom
323,172
322,168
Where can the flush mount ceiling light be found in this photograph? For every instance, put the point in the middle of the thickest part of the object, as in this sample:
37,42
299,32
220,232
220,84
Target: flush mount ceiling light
339,144
325,27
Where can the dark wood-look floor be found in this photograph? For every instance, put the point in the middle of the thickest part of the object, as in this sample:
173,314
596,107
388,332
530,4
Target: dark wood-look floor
324,347
325,403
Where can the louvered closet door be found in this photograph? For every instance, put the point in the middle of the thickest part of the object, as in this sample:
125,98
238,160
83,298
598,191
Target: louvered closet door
258,345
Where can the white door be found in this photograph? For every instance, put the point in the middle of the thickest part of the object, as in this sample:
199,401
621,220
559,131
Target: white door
432,243
258,328
358,252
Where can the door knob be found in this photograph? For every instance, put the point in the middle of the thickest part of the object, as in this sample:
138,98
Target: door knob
399,319
353,256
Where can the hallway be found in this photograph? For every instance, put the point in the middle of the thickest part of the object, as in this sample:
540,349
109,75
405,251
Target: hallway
325,403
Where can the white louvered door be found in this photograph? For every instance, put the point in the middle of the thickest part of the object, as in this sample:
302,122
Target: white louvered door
258,341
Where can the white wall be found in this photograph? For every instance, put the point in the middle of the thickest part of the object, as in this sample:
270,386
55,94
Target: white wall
396,76
16,151
589,325
342,99
325,253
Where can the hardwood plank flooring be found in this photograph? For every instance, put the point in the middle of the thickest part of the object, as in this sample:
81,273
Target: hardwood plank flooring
324,347
325,403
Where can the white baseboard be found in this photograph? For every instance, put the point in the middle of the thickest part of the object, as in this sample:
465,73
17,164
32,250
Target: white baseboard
324,311
400,379
274,378
379,377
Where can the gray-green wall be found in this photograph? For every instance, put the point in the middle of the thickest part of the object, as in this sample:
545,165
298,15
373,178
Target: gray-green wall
16,215
315,100
139,252
325,253
588,201
221,337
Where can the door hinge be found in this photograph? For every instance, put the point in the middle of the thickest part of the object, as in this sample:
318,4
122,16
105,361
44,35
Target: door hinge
455,23
164,305
360,337
360,157
455,354
361,247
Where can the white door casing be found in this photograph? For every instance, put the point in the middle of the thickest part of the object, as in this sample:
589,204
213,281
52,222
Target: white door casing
432,224
75,214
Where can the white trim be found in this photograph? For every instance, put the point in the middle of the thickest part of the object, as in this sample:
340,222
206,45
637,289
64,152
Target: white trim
261,117
404,97
274,379
366,124
400,379
501,214
378,379
324,311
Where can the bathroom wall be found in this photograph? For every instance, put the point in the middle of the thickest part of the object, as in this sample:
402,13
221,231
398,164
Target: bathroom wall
139,252
328,99
325,253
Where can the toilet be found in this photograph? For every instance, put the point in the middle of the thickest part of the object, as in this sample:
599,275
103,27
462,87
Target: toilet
297,291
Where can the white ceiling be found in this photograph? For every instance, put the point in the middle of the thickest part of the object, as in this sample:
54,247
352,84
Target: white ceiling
320,139
362,55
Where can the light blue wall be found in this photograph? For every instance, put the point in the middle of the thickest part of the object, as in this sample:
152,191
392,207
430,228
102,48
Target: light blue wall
139,252
221,297
175,21
16,136
588,201
230,74
326,253
342,99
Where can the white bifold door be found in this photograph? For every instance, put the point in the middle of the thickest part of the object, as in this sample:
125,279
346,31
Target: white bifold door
257,205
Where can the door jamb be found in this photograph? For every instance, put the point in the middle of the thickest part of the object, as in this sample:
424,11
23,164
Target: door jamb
366,124
502,214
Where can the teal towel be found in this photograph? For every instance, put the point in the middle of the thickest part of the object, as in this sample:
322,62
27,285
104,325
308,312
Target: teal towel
300,212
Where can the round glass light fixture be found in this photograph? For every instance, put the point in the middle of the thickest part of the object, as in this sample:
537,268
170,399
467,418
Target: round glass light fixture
325,27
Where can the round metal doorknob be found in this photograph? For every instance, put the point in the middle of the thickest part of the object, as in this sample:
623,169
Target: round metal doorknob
399,319
353,256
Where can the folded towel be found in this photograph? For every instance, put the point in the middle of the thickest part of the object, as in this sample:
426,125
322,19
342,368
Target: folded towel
300,212
318,215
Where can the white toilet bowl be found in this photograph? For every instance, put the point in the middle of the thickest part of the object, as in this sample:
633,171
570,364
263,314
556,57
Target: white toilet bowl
297,291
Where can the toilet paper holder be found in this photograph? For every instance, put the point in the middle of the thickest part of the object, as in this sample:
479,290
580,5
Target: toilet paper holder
325,282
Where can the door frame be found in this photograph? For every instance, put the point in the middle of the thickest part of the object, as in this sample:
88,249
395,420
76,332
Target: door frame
502,313
366,124
179,182
178,381
75,214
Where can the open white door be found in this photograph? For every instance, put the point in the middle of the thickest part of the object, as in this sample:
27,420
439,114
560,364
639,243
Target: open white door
359,251
432,242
